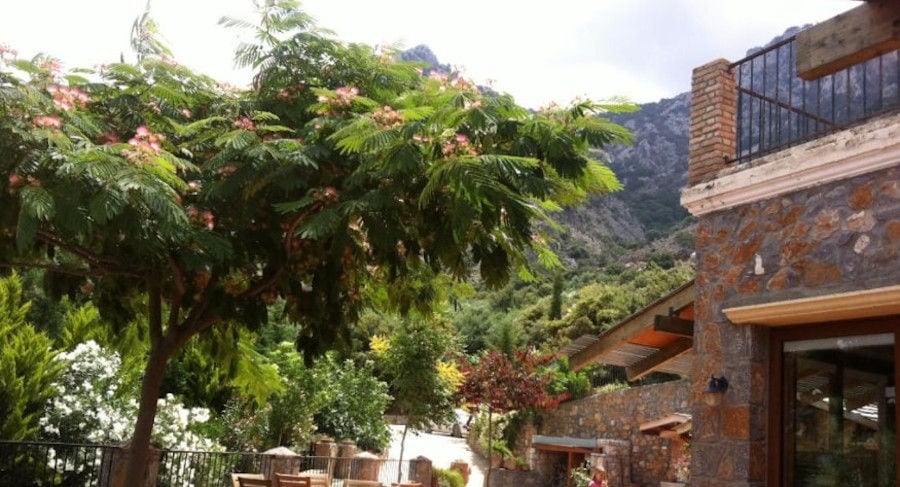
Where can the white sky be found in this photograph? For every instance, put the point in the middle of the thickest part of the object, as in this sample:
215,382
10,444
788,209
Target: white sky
537,51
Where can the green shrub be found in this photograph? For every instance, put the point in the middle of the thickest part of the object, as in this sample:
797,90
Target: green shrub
448,478
27,368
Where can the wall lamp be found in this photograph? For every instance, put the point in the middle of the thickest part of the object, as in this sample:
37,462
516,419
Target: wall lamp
717,384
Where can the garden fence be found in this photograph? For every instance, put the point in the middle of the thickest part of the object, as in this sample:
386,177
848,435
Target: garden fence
26,464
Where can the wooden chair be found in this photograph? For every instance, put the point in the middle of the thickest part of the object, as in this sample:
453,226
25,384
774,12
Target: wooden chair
361,483
317,479
248,482
288,480
235,478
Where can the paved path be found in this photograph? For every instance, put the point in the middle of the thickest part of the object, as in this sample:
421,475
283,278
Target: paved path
440,449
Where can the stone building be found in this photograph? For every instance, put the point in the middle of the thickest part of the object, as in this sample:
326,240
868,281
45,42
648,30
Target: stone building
794,177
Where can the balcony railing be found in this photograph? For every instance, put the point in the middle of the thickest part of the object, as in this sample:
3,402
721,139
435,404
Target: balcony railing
777,109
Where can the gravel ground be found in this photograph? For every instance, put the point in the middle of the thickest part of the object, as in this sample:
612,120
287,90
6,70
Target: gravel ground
440,449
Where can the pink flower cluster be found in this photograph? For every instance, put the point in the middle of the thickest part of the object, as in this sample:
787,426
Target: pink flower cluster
47,122
52,66
68,97
289,92
459,145
456,82
7,51
463,84
387,116
244,123
205,218
143,145
343,96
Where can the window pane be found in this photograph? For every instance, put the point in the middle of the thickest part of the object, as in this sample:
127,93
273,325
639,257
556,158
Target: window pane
840,420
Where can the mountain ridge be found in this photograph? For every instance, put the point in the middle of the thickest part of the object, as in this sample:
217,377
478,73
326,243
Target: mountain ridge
644,219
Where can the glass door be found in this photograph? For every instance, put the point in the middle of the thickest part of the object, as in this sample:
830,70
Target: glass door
839,411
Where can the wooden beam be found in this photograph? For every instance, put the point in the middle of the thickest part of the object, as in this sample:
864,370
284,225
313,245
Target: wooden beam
868,303
674,325
632,325
850,38
663,356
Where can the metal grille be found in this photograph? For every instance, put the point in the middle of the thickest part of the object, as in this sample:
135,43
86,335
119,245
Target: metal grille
776,109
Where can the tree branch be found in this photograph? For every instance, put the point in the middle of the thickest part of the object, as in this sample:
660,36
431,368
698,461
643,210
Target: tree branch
55,268
264,284
91,258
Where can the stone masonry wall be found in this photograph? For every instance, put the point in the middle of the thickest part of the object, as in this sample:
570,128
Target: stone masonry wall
618,415
838,237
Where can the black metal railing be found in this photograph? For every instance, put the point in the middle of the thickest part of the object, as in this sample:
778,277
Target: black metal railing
33,464
76,465
777,109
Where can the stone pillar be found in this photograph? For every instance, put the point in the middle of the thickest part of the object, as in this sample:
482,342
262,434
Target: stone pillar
615,460
279,460
326,452
346,452
115,461
713,111
420,470
366,466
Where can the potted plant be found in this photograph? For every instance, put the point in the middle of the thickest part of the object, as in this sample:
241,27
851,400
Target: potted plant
499,451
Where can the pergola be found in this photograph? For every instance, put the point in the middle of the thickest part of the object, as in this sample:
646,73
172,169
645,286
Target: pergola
658,338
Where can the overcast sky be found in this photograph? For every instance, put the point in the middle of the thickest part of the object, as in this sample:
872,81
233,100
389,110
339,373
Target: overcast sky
538,51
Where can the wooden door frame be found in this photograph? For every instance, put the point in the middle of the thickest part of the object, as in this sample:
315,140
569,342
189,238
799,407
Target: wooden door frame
777,400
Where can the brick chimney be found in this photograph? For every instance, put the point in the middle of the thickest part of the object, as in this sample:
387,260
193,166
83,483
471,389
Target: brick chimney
713,109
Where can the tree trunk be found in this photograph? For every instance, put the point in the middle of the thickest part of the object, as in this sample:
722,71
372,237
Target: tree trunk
151,385
400,460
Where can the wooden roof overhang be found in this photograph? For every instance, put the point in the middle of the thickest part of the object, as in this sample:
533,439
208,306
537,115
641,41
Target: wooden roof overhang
670,426
658,338
564,444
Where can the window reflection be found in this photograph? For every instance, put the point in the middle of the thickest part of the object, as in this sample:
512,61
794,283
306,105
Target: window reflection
840,423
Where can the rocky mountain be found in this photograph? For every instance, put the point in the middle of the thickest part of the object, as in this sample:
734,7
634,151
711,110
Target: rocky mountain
646,217
653,170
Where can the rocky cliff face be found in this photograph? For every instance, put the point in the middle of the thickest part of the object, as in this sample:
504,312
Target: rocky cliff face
646,216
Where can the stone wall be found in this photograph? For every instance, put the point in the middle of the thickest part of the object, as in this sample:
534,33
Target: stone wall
618,415
837,237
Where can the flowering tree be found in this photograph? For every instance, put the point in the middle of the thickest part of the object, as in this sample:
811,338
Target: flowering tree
341,171
93,405
502,384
